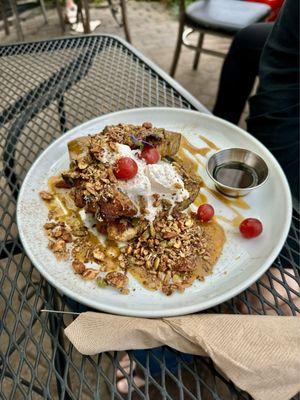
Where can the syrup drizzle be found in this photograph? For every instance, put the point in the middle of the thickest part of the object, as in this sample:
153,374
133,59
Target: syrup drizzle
189,153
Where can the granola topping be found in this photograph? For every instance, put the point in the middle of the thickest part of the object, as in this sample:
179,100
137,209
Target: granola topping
46,195
170,251
109,228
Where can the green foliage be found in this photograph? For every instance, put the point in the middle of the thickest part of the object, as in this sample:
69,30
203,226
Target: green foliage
98,2
174,4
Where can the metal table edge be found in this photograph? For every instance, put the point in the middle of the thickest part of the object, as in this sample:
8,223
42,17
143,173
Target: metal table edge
172,82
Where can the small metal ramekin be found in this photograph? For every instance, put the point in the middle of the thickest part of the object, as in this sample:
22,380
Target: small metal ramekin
236,156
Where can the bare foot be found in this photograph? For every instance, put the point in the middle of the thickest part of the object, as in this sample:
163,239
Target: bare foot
281,294
127,365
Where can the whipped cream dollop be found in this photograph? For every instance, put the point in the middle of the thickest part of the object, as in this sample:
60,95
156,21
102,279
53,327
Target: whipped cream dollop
160,179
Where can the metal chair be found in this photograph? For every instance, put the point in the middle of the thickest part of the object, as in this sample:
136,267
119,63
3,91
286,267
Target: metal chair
119,12
215,17
5,6
117,7
3,16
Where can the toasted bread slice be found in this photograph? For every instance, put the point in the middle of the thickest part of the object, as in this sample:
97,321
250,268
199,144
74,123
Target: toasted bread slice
79,148
166,142
121,230
191,183
116,206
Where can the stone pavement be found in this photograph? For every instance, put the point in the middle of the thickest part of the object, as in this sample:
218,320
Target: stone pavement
153,29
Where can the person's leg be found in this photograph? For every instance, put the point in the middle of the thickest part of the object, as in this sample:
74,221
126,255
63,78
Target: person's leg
151,361
71,11
239,71
127,365
269,290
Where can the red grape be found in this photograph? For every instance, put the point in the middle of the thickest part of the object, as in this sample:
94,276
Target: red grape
150,155
125,168
205,212
251,228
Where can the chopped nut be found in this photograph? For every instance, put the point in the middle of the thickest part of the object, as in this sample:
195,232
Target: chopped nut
156,263
66,236
112,145
116,279
147,125
82,164
145,235
79,198
57,231
152,230
91,188
185,265
167,290
177,245
59,246
129,250
49,225
112,252
101,282
177,185
90,274
130,261
156,203
98,255
111,176
188,223
169,235
46,195
78,267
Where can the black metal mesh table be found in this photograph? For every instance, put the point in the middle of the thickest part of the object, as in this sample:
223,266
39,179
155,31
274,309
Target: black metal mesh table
47,88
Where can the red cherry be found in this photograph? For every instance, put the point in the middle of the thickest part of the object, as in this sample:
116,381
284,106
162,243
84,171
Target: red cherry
150,155
251,228
205,212
125,168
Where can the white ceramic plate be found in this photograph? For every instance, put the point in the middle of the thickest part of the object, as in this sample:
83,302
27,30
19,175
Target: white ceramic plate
242,261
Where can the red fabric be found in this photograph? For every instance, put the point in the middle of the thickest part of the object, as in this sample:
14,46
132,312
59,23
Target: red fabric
274,4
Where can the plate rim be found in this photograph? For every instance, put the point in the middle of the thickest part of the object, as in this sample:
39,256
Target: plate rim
186,309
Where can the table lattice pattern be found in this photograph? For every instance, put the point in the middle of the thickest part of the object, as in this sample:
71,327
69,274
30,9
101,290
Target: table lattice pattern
47,88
